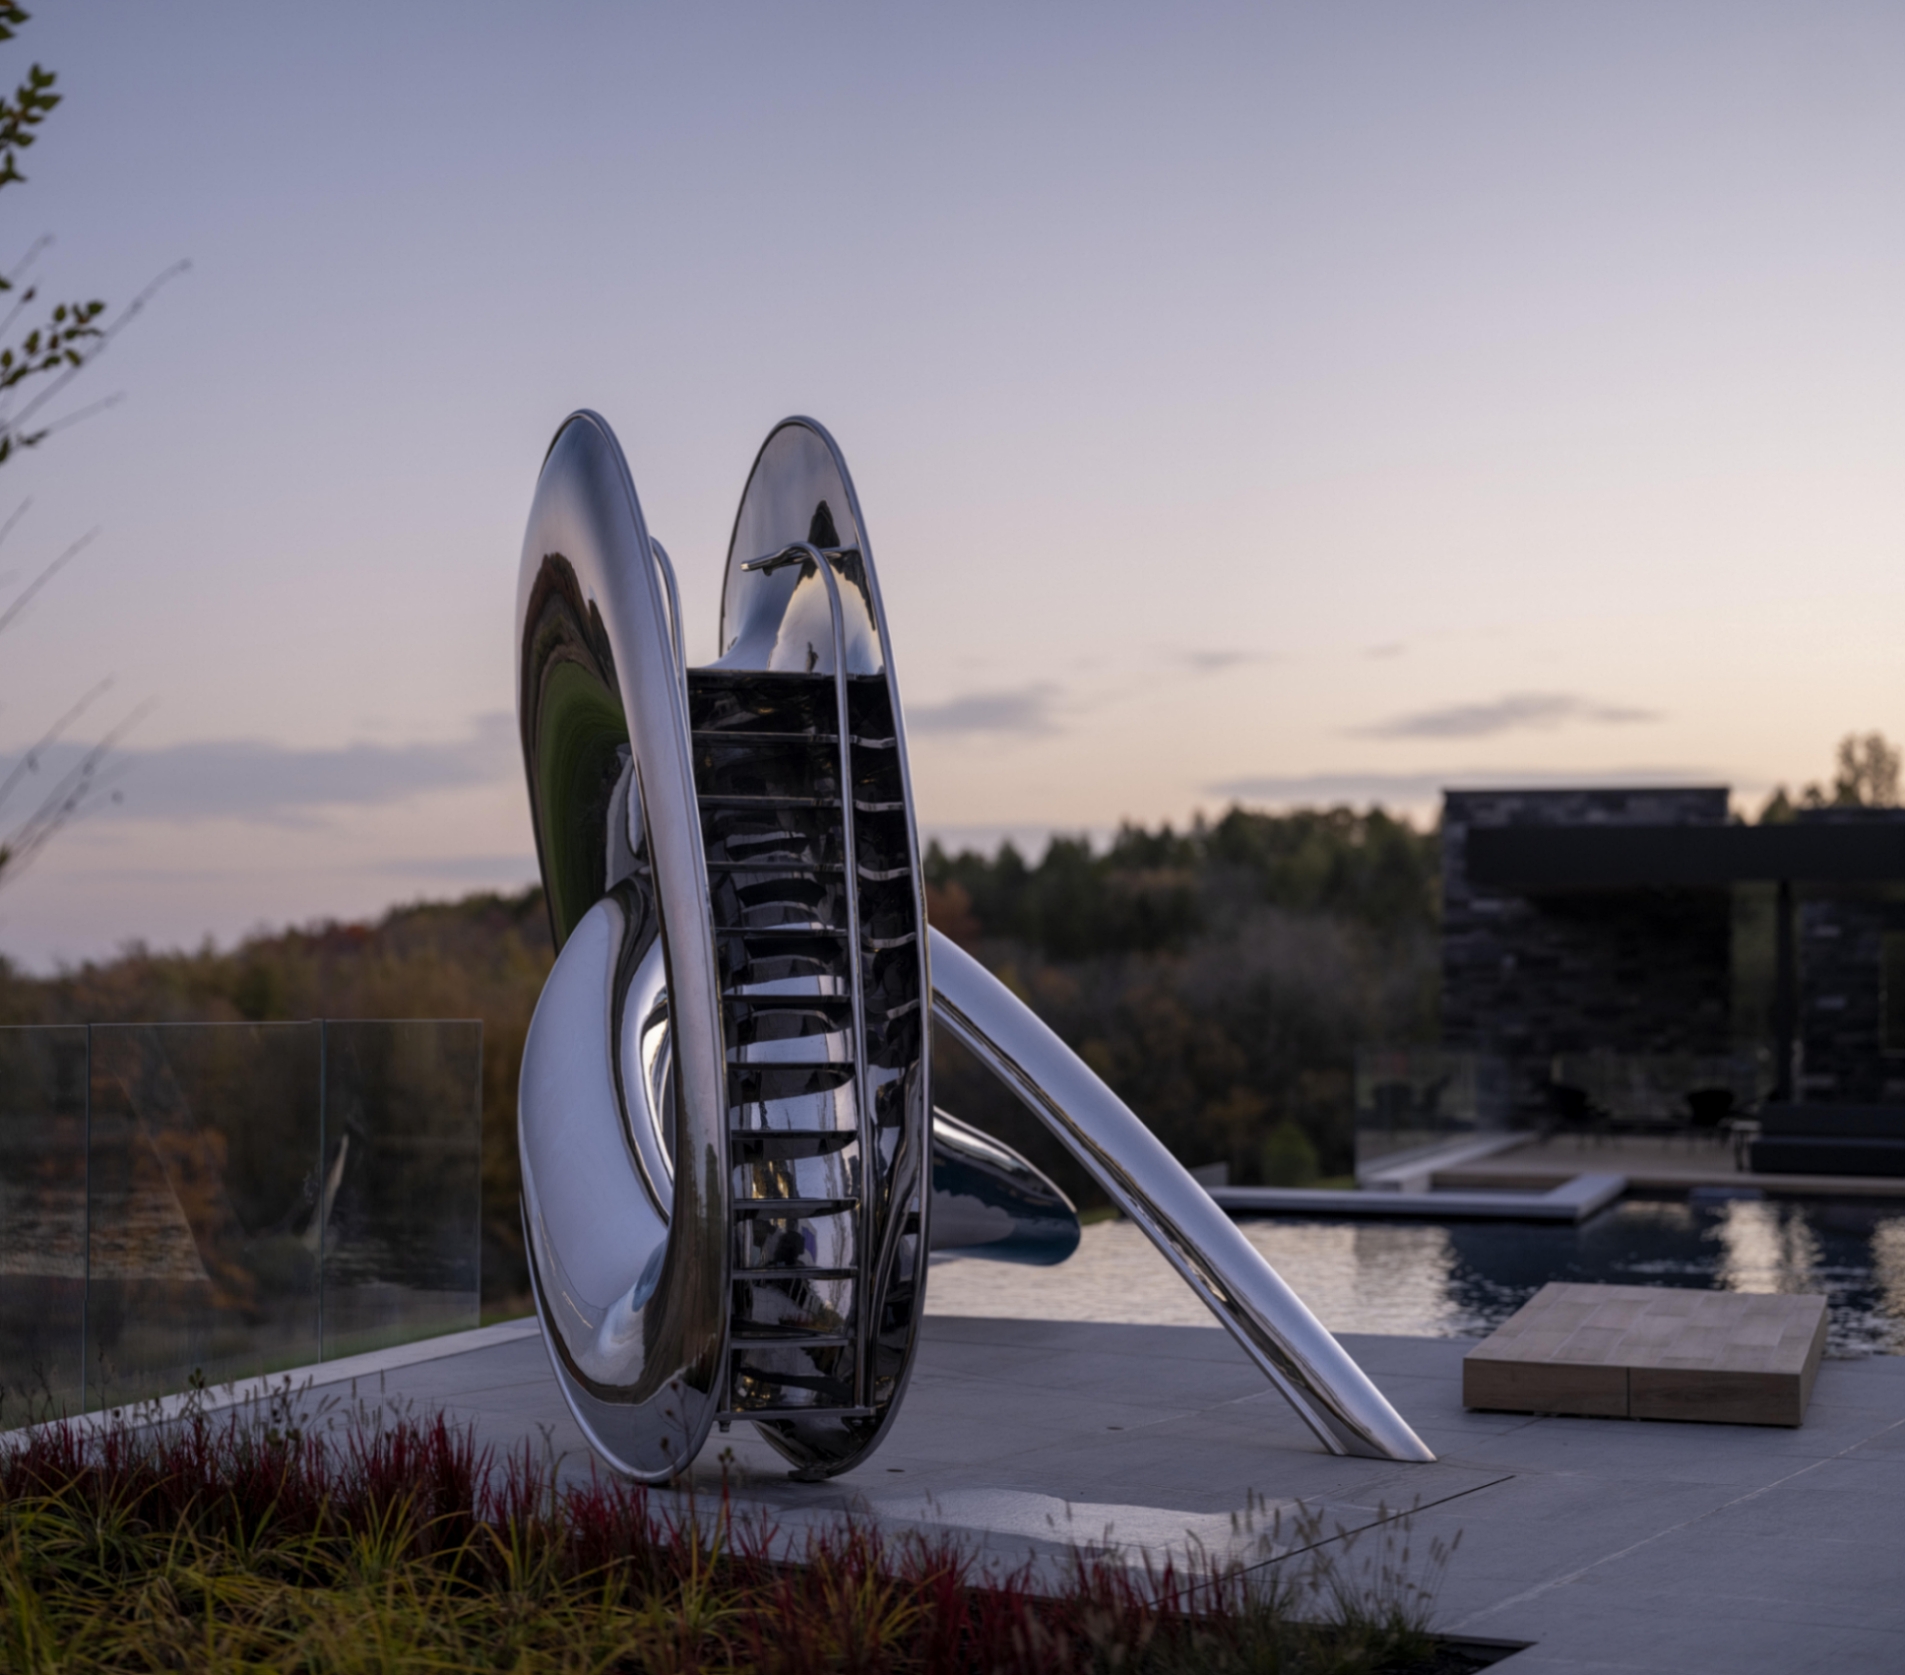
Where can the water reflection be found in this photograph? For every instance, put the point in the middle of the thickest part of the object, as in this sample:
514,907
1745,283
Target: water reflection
1463,1279
1385,1275
1767,1248
1888,1273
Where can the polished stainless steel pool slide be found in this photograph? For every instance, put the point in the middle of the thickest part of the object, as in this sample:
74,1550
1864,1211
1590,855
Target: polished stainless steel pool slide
728,1143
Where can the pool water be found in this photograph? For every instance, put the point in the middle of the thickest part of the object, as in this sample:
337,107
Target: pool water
1462,1279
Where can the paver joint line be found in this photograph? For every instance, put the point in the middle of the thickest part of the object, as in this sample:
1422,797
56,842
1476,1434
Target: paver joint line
1384,1516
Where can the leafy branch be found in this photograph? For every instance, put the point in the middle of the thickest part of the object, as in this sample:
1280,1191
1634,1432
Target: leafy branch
35,370
72,332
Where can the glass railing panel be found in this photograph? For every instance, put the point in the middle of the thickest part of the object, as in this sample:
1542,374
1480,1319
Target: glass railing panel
1413,1102
42,1222
402,1181
203,1198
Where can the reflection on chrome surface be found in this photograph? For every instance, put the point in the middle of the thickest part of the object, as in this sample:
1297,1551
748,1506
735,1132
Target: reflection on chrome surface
988,1201
724,1117
1463,1279
731,1166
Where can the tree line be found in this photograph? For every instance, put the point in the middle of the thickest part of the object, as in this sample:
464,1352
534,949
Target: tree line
1219,978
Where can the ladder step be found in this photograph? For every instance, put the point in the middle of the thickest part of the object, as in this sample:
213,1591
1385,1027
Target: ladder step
739,799
752,931
754,1055
792,869
756,1084
727,1416
750,735
790,988
792,1143
786,1337
793,1207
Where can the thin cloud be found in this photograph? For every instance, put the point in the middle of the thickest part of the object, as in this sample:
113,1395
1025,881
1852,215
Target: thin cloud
1394,648
1212,660
252,779
1512,712
1025,711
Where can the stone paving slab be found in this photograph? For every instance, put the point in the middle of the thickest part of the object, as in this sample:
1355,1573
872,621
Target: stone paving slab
1611,1545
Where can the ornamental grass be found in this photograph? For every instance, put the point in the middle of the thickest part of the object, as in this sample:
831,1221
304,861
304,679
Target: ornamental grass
259,1541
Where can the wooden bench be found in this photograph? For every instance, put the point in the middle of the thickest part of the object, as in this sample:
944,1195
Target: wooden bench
1652,1352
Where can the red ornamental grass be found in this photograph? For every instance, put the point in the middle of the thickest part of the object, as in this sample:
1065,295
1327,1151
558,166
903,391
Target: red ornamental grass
257,1542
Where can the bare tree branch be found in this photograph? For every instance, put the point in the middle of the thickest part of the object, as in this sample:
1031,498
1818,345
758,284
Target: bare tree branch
12,612
30,759
68,799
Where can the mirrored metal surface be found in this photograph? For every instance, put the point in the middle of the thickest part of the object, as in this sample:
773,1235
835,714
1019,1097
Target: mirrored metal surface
631,1275
724,1110
820,914
989,1201
725,1118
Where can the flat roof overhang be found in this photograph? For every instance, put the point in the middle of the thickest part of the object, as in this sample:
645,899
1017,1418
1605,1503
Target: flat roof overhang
1538,858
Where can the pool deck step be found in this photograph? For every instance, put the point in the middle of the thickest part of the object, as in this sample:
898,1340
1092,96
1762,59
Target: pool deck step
1574,1200
1650,1165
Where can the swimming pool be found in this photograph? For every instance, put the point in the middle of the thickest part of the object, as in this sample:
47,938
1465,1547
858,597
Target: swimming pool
1462,1279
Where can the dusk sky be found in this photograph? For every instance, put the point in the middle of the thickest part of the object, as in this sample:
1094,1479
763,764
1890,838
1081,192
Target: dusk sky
1290,404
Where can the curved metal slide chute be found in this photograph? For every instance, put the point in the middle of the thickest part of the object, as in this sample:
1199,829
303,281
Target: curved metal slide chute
731,1164
1317,1376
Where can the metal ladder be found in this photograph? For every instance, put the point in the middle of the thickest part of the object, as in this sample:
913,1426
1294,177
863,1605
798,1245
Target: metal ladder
803,823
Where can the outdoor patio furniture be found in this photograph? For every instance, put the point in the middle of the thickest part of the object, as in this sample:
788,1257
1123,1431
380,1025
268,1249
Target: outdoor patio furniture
1830,1140
1710,1107
1572,1110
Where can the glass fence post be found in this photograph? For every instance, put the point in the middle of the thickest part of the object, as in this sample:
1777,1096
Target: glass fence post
86,1227
477,1242
321,1178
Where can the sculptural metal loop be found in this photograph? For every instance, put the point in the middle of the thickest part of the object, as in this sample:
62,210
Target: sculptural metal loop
730,1157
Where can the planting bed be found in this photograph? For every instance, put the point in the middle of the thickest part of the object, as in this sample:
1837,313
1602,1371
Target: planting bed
265,1541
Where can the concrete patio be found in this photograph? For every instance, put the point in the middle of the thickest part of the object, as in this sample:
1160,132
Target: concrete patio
1606,1544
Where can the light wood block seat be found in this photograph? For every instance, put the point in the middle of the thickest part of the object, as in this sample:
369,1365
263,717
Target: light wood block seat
1652,1352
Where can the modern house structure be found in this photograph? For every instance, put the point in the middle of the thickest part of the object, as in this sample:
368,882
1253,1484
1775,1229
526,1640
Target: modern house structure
1602,921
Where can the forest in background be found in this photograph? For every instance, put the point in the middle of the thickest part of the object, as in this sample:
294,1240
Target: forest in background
1219,979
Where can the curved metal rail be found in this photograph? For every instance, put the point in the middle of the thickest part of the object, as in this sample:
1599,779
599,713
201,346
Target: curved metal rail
630,1271
1314,1372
